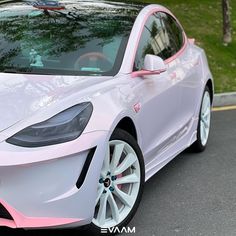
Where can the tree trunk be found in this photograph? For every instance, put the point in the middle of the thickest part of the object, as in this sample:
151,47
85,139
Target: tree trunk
227,36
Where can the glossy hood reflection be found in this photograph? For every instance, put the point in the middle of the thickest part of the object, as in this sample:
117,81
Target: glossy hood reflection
24,95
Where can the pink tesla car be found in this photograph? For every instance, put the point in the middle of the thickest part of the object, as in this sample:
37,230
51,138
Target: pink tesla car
95,98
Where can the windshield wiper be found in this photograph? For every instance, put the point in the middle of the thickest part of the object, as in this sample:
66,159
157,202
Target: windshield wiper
10,71
17,71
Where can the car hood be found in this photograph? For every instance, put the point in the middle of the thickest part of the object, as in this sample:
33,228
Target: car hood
23,95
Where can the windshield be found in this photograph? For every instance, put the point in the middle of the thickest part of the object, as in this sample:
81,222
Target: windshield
85,38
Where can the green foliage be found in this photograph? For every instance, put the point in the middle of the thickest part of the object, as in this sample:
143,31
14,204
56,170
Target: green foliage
202,20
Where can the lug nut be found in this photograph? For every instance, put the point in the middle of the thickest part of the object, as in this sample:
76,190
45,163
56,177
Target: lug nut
108,173
104,191
111,189
101,180
113,178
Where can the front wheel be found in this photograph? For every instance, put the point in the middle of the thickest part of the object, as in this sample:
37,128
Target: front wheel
120,185
204,123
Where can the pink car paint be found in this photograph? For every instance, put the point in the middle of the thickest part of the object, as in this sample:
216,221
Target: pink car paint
38,186
137,107
21,221
146,72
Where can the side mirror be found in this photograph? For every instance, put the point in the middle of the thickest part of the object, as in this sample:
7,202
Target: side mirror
153,65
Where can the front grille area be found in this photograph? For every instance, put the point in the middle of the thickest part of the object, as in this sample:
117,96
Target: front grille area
4,214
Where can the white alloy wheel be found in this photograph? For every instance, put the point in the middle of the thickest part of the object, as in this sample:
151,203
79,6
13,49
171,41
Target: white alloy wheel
205,118
204,122
119,185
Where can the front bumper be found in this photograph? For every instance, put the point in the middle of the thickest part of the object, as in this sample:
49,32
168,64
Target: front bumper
38,185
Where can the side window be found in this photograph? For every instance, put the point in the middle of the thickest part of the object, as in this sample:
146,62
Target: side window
150,42
161,36
174,35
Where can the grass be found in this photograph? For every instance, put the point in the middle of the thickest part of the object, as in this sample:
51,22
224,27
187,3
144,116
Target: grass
202,20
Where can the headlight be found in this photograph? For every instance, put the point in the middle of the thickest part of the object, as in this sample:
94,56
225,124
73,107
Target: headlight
63,127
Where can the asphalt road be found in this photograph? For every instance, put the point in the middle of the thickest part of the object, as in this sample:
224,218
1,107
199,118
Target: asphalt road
195,194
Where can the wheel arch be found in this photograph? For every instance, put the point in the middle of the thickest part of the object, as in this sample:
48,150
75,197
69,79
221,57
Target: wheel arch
127,124
209,84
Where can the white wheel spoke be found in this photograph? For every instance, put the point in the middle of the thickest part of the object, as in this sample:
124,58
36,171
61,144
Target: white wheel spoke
206,104
204,133
205,115
205,123
129,160
124,197
101,217
132,178
100,191
116,156
202,129
106,163
205,107
114,208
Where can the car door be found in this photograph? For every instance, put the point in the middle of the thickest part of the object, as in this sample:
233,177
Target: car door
158,95
187,72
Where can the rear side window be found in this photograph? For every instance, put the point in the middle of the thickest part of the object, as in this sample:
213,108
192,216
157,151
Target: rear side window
174,35
162,36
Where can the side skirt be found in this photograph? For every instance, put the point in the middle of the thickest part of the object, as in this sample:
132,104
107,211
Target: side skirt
162,158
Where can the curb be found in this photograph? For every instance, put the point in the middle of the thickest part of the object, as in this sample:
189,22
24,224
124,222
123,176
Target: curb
224,99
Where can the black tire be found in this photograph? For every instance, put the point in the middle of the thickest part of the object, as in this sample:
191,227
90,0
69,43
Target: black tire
120,134
197,146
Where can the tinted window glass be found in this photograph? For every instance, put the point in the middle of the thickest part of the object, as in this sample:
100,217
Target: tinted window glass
174,35
150,41
161,36
82,39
